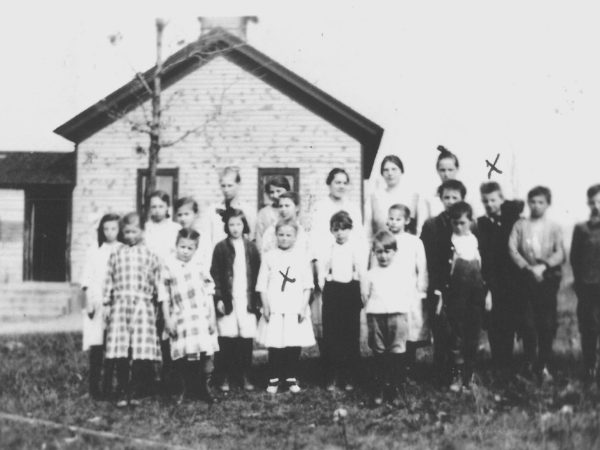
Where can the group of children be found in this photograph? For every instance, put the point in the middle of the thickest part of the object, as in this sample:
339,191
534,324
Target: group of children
158,292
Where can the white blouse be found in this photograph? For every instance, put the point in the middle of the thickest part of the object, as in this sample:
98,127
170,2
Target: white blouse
160,237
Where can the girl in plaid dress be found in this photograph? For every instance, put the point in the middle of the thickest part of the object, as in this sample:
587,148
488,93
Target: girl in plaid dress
94,274
129,293
189,317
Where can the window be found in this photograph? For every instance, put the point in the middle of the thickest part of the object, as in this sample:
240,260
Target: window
166,180
265,174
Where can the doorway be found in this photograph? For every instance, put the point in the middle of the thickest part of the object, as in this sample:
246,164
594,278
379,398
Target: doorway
47,214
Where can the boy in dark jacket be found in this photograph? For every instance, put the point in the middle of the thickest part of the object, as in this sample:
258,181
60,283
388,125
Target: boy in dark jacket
498,269
585,260
436,235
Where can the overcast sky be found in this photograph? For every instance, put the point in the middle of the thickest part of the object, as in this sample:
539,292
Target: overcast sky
512,77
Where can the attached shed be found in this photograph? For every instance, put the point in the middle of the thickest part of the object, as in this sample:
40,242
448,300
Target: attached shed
35,224
226,103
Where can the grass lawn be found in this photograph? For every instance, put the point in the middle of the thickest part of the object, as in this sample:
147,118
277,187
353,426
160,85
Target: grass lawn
45,377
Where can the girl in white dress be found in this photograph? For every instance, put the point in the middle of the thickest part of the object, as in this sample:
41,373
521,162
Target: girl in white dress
189,314
234,269
160,232
284,282
94,274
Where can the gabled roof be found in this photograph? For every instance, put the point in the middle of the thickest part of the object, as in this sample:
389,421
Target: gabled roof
24,169
219,42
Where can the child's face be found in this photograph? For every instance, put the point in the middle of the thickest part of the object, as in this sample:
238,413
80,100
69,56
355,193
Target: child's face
185,249
229,187
274,193
461,226
110,230
391,173
236,227
450,197
186,216
446,169
396,222
384,256
286,237
132,233
338,185
341,235
158,209
492,202
594,204
538,206
287,208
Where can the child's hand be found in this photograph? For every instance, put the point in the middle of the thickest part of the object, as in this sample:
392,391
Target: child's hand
538,272
301,316
488,301
170,326
211,328
266,312
91,311
221,307
106,314
440,304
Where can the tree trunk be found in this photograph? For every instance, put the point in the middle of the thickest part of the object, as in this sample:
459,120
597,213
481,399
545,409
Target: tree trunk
155,126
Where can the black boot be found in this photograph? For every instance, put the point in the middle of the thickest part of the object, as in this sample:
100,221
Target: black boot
206,392
123,394
457,378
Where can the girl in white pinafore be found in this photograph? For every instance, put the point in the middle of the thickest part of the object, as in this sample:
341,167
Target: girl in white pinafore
94,274
284,282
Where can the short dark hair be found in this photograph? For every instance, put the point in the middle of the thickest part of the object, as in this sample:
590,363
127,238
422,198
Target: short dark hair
394,160
446,154
130,219
490,186
188,233
540,191
399,207
452,185
277,181
460,209
186,201
593,190
231,170
341,220
110,217
293,196
386,239
286,222
334,172
230,214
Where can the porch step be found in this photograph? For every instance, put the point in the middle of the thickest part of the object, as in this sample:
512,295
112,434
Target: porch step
37,300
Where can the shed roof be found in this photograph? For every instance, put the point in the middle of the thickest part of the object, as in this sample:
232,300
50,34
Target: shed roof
24,169
219,42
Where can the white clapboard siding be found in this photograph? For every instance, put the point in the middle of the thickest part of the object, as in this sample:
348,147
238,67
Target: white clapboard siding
241,121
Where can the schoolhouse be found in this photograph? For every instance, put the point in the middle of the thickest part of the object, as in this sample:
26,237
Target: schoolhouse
223,103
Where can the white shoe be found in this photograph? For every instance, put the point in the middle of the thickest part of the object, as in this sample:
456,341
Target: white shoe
293,385
273,386
547,376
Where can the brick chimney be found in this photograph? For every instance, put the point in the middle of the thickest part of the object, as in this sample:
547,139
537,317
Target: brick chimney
234,25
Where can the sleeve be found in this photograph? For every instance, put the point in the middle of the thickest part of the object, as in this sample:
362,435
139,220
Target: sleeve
420,215
427,237
261,226
156,274
263,276
557,257
88,267
108,287
250,214
369,204
216,268
516,235
575,255
164,285
366,287
421,266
